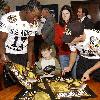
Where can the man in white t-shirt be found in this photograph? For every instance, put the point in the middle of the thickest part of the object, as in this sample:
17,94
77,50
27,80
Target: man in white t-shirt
87,43
17,31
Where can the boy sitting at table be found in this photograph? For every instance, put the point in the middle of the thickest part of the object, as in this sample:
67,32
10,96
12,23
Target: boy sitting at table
47,64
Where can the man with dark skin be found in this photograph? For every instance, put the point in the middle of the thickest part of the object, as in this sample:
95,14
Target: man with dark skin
28,15
17,32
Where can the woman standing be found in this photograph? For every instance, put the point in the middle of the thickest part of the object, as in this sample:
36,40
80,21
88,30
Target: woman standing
66,16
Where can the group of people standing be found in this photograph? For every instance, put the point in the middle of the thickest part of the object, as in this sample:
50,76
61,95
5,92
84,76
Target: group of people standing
81,39
76,45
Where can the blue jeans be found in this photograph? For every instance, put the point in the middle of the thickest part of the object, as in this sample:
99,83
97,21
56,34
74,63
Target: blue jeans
64,60
74,67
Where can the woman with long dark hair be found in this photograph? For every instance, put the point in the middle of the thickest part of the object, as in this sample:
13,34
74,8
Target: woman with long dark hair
65,17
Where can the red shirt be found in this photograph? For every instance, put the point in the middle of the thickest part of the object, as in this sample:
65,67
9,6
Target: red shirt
63,49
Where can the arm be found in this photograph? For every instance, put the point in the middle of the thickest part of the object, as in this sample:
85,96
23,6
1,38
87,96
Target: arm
3,37
89,71
47,28
73,56
57,67
39,70
30,50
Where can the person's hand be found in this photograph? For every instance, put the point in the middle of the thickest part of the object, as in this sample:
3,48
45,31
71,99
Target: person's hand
4,59
30,65
43,36
66,69
85,76
53,73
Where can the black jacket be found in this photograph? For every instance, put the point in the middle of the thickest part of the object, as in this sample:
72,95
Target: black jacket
88,23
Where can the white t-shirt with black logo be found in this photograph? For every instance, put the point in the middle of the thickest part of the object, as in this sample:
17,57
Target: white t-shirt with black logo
18,32
90,48
45,62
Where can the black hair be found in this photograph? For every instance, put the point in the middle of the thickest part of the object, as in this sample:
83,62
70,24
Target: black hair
84,10
47,9
31,5
61,21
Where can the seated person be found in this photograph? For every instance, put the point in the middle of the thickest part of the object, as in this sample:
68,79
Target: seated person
47,61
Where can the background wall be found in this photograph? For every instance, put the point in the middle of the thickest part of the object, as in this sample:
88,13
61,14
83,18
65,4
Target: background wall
95,13
14,3
59,2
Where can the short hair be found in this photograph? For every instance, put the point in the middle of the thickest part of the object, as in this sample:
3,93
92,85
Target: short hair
45,46
31,5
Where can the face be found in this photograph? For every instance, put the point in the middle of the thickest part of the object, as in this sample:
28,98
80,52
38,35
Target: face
46,54
33,15
44,13
66,15
79,13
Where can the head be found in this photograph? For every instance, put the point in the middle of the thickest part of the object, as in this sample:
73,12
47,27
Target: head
66,15
75,33
6,9
32,11
46,50
45,12
82,12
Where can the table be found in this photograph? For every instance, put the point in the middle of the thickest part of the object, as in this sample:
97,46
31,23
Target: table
11,92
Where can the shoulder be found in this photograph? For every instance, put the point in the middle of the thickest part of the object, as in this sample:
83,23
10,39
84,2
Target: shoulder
88,20
10,17
92,32
58,26
10,13
50,20
40,60
55,59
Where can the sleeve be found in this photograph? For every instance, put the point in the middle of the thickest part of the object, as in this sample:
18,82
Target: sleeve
57,67
39,70
47,27
73,48
4,25
57,36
